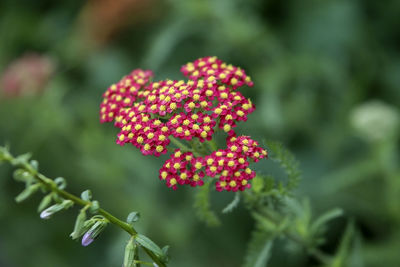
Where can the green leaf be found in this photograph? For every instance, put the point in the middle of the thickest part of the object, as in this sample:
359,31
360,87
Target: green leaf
356,257
21,159
233,204
202,206
46,201
130,251
133,217
146,242
269,184
3,152
29,191
343,251
60,182
259,249
288,163
319,224
34,164
86,195
94,208
265,223
165,257
79,225
20,175
257,184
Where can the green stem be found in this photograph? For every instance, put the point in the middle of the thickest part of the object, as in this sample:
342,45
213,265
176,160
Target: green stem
321,256
272,216
144,263
183,147
49,184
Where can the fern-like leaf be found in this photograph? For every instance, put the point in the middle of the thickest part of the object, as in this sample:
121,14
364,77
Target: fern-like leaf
202,206
233,204
259,249
288,163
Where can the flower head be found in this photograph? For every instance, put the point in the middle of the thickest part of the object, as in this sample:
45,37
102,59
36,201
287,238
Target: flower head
151,114
27,75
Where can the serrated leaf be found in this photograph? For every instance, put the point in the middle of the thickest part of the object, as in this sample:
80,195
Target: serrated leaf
265,223
259,249
288,163
342,253
319,223
269,184
257,184
202,206
149,244
233,204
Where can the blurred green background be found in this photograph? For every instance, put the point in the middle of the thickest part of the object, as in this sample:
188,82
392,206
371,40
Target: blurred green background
327,85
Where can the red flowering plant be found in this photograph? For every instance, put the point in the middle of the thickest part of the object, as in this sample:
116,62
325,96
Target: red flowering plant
152,115
183,118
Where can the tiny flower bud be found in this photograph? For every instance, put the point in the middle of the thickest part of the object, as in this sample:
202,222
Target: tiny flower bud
46,214
87,239
93,232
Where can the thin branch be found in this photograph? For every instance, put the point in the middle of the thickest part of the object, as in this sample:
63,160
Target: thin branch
51,185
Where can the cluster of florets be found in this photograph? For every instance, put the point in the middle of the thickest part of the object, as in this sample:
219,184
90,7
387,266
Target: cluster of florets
149,114
123,94
230,166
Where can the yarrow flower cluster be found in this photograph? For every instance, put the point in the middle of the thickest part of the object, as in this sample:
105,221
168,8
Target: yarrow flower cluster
151,114
230,165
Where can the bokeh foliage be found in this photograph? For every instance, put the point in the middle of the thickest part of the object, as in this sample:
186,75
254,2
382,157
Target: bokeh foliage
314,64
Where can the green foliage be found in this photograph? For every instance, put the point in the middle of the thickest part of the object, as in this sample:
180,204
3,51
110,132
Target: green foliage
149,244
28,191
79,225
202,205
288,163
342,255
318,227
233,204
130,254
314,64
133,217
89,228
259,249
86,195
45,202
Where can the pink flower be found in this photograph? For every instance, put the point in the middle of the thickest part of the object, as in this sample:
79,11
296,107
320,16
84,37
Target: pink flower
149,114
27,75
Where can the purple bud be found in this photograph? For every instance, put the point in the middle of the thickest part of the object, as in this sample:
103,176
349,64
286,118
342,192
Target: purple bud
87,239
45,214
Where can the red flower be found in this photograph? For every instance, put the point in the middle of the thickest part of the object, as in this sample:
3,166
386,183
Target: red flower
149,114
